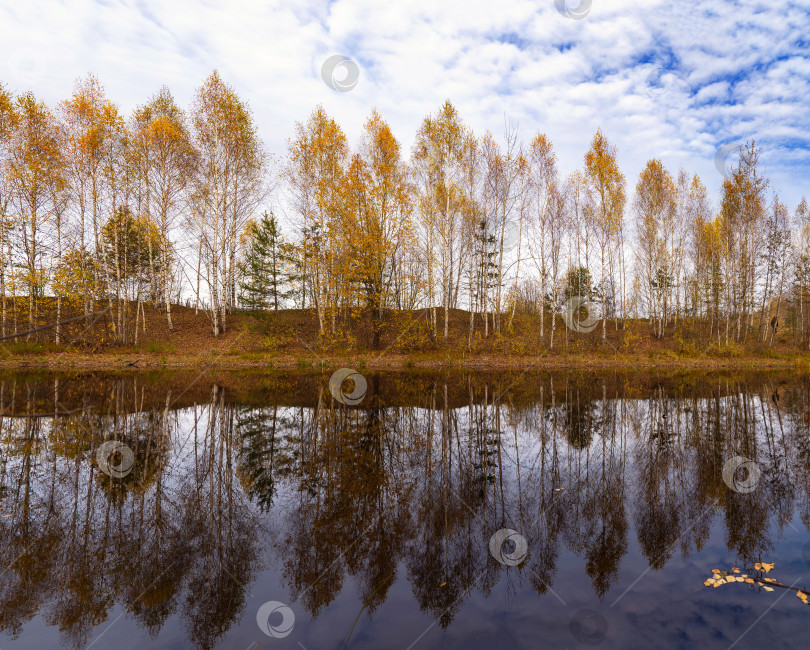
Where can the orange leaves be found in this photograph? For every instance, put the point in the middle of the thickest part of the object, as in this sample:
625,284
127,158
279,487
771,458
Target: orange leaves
606,185
720,578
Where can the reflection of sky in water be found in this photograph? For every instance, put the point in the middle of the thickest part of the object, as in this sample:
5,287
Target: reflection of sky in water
644,608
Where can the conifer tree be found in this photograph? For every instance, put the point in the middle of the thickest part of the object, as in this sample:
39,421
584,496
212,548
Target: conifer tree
263,269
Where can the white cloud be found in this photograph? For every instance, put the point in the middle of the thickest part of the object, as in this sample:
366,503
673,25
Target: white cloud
720,71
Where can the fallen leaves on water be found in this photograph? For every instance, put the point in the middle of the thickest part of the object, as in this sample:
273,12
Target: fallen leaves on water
720,577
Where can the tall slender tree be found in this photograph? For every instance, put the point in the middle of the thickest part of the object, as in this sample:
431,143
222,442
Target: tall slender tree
227,188
606,199
166,160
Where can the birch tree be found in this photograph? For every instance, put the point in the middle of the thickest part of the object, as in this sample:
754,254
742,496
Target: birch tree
655,208
167,160
437,157
606,196
227,188
317,158
34,173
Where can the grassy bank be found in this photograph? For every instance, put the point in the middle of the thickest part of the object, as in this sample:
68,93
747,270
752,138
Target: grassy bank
289,339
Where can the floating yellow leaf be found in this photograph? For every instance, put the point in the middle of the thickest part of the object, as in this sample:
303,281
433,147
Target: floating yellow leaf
767,588
735,569
442,585
769,579
715,570
708,582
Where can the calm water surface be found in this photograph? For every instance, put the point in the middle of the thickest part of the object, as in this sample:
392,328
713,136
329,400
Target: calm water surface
428,511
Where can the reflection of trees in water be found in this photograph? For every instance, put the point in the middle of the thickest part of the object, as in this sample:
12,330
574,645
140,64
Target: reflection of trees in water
360,492
78,541
591,461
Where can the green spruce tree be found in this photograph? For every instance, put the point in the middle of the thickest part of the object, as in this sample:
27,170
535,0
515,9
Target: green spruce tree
263,273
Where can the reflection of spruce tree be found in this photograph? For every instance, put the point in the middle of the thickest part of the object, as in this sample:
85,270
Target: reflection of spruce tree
257,429
579,421
484,442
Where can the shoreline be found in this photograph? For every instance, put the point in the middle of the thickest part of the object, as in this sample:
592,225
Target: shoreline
226,361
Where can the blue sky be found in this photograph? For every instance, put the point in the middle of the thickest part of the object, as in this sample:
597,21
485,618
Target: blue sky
674,80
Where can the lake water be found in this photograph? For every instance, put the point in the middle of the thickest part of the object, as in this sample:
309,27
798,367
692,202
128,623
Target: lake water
400,510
